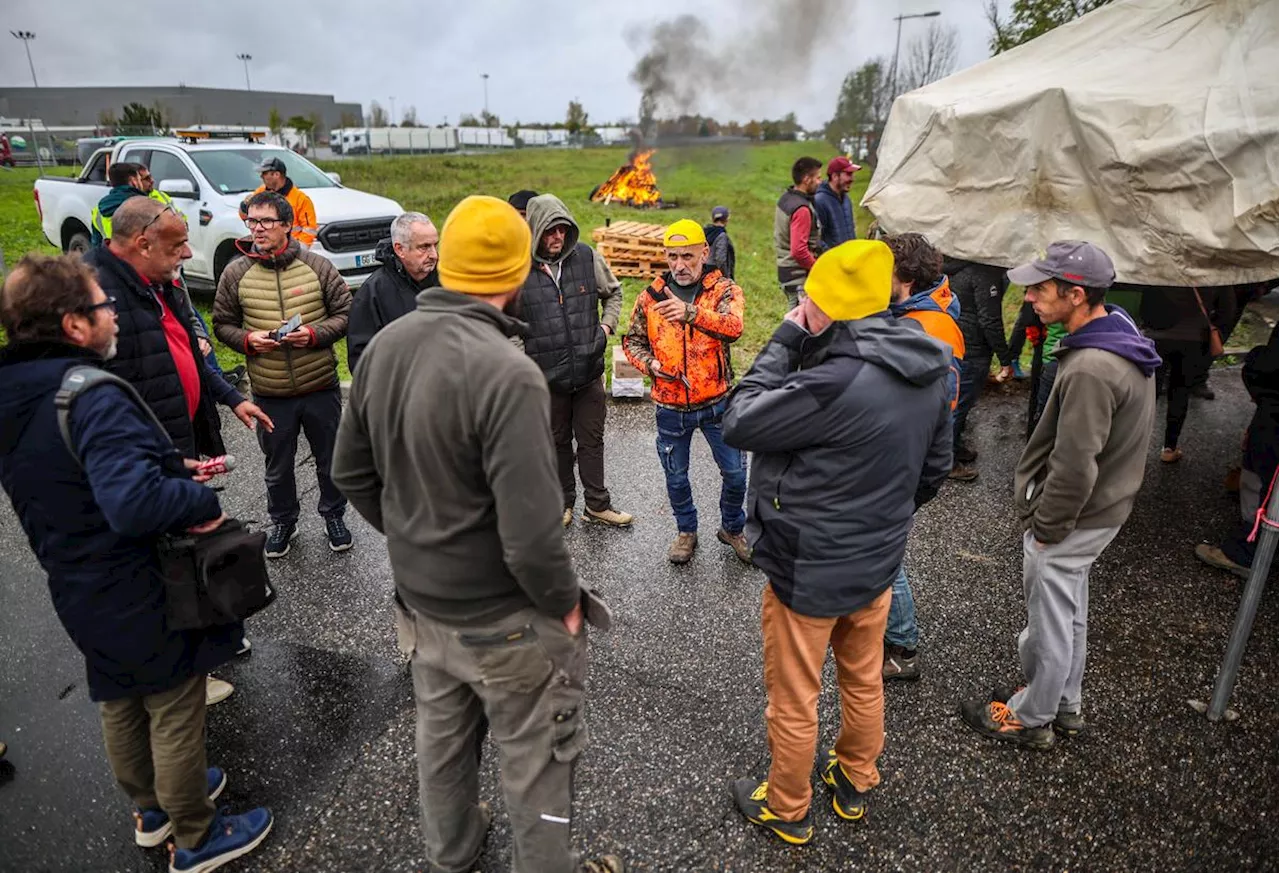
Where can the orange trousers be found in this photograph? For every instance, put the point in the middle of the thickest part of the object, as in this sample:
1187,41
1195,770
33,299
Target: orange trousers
795,647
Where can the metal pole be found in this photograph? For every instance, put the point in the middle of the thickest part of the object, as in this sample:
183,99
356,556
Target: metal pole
1263,556
245,58
391,122
893,77
35,146
26,36
485,76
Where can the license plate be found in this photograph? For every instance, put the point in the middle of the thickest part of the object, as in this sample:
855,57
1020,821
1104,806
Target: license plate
367,261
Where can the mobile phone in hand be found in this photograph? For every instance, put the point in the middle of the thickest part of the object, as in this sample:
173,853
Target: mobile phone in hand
288,327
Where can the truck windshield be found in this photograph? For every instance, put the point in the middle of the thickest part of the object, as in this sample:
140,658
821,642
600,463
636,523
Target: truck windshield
235,170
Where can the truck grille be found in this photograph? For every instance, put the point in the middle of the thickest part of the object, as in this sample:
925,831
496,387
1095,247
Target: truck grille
353,236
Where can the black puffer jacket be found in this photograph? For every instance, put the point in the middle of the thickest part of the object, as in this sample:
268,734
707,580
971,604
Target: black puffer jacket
980,289
560,303
143,358
385,296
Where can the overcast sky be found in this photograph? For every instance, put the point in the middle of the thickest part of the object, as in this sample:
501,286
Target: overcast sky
431,55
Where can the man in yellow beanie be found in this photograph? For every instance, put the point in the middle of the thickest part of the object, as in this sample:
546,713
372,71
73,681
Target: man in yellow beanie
847,417
445,447
681,328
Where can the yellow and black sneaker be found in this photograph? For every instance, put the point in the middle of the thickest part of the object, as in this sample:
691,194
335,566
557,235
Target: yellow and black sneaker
848,802
753,799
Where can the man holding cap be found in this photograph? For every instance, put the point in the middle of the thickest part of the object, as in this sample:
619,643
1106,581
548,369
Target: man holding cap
275,178
681,329
445,446
847,416
833,203
1073,488
723,256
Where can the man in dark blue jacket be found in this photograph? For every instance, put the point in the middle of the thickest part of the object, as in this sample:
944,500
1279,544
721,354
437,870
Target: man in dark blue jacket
94,525
847,416
834,205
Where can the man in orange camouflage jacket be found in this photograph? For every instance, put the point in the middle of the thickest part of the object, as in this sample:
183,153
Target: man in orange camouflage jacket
681,328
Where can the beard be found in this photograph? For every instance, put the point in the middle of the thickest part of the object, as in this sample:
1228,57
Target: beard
109,351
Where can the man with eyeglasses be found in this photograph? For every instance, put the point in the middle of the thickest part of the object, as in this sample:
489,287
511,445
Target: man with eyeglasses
275,177
286,308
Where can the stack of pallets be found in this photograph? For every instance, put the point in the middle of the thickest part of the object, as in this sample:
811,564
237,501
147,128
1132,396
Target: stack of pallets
632,248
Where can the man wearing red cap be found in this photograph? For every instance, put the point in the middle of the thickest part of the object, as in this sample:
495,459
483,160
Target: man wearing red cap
834,205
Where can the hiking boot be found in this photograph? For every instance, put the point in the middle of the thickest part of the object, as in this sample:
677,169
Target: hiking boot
152,826
681,551
737,542
1215,557
898,666
962,473
848,802
567,518
216,690
278,539
230,836
1065,723
963,454
610,517
339,536
1170,456
994,719
235,375
603,864
753,801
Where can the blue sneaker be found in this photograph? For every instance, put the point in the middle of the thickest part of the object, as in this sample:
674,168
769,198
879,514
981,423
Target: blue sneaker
152,826
1018,372
230,836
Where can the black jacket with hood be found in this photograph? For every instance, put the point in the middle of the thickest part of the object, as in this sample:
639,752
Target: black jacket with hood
143,358
980,289
560,302
385,296
850,433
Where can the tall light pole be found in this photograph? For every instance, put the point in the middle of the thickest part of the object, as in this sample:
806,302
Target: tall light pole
485,76
26,36
893,78
245,58
392,120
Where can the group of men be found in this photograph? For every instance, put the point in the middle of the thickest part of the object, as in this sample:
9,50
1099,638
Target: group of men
478,354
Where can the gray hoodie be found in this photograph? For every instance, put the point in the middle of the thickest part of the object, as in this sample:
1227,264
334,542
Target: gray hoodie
547,210
851,433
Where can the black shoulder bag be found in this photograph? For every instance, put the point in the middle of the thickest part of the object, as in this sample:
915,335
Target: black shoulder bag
210,579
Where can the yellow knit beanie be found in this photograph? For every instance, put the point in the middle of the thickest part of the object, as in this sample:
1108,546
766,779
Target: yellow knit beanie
484,247
853,280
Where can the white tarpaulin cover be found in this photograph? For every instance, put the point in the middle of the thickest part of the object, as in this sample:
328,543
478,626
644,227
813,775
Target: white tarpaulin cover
1148,127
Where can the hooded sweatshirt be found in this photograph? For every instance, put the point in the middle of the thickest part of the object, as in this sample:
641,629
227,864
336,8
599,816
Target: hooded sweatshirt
850,433
560,302
107,207
385,296
1086,473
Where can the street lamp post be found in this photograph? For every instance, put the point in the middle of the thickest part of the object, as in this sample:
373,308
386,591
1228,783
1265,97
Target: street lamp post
26,36
245,58
485,76
392,120
893,78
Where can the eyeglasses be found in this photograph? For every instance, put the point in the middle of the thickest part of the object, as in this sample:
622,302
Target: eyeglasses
109,303
264,223
146,227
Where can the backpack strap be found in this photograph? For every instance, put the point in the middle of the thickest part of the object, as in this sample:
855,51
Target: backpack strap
80,379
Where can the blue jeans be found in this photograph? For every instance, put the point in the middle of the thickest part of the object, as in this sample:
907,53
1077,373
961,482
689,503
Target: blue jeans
675,435
901,629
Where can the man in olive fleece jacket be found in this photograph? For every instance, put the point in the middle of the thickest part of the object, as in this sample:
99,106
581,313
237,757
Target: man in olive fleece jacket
1074,486
445,446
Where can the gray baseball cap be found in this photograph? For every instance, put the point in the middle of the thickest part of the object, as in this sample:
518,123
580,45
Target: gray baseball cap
719,212
1071,261
272,165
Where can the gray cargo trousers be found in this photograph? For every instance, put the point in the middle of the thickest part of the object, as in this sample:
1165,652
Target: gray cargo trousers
1052,647
526,673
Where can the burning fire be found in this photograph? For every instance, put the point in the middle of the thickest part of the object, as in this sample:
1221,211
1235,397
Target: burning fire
633,183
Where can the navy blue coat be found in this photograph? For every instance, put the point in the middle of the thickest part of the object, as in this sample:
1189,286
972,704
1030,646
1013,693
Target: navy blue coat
836,215
94,529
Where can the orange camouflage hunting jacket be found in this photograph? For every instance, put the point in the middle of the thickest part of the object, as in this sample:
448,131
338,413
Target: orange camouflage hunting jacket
693,353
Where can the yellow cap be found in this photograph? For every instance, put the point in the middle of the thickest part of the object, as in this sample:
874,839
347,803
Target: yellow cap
853,280
484,247
685,232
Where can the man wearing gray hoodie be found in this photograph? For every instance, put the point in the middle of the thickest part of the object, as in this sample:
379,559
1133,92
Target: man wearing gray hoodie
567,337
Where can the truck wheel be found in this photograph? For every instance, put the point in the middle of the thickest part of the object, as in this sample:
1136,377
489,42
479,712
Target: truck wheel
78,242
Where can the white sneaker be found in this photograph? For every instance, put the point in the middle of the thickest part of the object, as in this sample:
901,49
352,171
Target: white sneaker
216,690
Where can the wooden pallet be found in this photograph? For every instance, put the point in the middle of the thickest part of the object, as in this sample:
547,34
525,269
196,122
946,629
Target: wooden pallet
632,248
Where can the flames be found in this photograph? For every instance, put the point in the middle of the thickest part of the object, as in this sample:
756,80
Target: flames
632,184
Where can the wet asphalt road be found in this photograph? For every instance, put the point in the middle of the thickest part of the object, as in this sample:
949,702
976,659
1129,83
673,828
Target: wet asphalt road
321,725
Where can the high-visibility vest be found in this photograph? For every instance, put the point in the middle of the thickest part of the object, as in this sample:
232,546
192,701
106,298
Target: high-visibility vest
102,223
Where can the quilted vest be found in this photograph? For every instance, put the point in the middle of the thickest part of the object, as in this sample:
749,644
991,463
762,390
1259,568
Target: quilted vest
269,297
564,336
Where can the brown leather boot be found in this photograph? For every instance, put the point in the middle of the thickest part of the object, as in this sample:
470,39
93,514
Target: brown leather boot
681,551
738,542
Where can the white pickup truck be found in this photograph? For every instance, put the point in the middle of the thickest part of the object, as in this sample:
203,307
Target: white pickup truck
207,182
